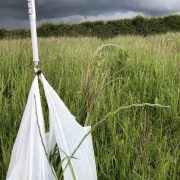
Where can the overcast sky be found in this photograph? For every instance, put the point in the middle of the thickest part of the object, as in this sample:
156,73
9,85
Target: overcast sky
14,13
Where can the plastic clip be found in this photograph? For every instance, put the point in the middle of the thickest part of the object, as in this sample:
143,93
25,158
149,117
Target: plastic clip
37,71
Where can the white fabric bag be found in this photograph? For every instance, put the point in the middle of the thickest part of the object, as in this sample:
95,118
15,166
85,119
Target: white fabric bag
68,134
29,156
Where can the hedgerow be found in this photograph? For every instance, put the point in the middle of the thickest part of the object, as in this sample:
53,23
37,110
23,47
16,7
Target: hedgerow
138,25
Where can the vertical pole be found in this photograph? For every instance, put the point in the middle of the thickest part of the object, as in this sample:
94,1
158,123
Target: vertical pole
32,18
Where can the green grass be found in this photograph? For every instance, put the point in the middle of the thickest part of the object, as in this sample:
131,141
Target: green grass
135,143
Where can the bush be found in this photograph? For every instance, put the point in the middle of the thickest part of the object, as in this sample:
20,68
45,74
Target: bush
18,33
3,33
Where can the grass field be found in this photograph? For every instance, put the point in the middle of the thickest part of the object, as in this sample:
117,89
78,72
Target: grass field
133,142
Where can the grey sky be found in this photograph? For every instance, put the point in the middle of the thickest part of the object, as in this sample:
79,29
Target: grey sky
13,13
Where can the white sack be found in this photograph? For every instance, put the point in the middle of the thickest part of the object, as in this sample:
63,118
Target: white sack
28,159
68,134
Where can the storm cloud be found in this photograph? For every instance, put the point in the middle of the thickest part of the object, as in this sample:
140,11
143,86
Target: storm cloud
14,14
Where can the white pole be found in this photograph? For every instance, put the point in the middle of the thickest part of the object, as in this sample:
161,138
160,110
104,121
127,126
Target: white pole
32,18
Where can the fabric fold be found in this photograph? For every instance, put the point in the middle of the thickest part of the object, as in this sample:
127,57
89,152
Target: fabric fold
28,157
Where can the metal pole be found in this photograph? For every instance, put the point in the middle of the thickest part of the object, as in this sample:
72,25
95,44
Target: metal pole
32,18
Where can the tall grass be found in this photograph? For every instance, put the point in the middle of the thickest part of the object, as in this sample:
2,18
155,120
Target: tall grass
135,143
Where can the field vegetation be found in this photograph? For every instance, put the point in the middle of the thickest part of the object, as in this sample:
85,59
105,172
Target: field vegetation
113,81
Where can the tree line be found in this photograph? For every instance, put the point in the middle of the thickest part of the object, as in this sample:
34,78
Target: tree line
138,25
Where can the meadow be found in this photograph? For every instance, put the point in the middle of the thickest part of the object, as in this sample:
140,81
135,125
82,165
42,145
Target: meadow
127,88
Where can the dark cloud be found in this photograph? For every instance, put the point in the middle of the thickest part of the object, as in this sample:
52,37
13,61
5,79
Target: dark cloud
13,13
